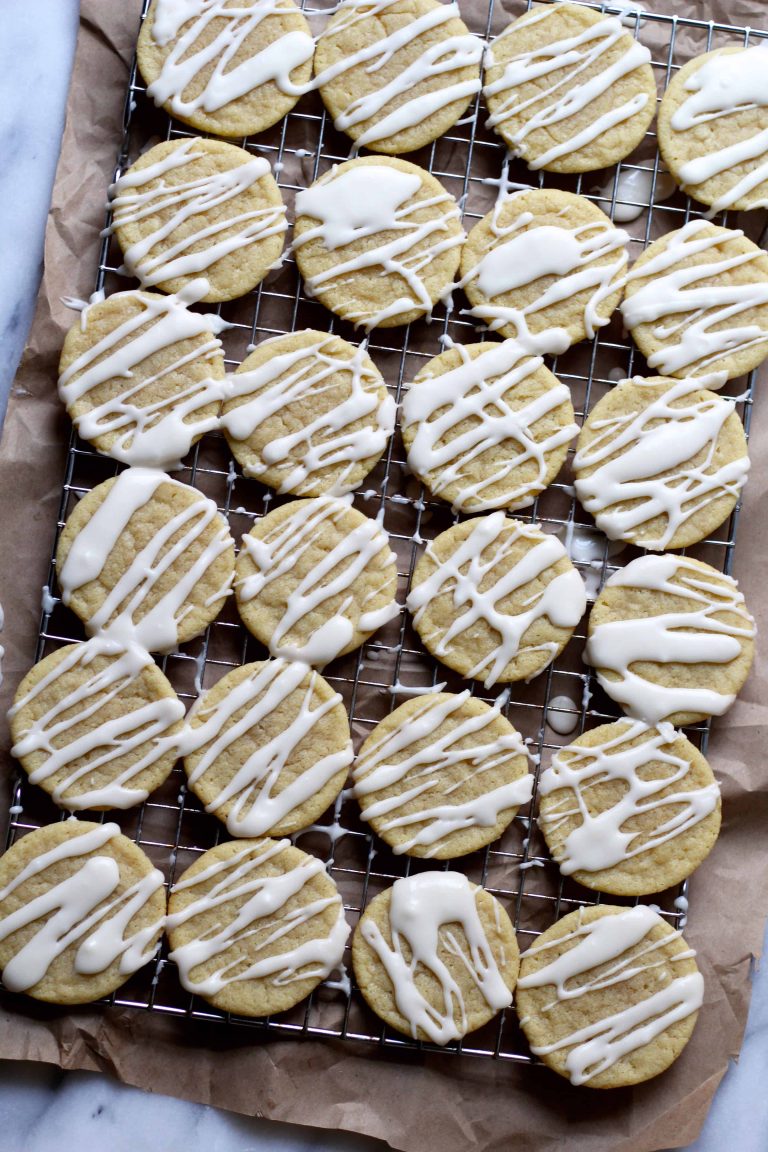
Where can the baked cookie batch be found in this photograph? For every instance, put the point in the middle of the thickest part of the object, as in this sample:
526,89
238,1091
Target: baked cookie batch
608,995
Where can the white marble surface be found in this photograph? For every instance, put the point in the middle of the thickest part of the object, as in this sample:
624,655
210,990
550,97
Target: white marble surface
39,1104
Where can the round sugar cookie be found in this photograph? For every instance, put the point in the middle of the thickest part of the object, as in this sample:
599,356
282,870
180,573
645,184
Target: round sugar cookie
377,240
314,579
96,725
255,925
145,559
193,207
396,76
435,956
712,128
671,639
547,264
486,426
660,462
233,69
107,902
442,776
267,749
308,413
142,376
496,599
629,809
608,997
696,303
569,89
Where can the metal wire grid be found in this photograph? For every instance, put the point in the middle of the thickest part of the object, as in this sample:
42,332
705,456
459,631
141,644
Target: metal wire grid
171,826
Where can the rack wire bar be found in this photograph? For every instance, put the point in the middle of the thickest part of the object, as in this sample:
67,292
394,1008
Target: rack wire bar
171,825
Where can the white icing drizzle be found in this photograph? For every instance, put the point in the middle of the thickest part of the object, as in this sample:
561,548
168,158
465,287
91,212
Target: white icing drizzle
256,807
562,714
696,335
569,95
482,390
365,547
562,600
663,436
635,192
452,54
420,772
727,83
362,202
159,434
142,728
82,908
189,200
330,440
260,920
422,909
157,629
695,636
517,258
599,841
598,1046
186,60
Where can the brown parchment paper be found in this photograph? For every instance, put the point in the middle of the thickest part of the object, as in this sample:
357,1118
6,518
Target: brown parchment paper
415,1102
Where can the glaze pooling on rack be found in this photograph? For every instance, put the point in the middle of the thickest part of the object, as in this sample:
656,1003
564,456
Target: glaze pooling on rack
122,616
388,759
157,434
421,909
694,339
482,391
189,24
85,911
335,438
625,492
255,803
696,635
132,202
358,204
569,95
148,732
616,949
383,110
600,840
258,919
727,83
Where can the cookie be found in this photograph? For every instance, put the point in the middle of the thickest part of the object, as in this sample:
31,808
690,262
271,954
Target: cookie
267,749
568,89
255,925
660,462
142,376
712,128
697,303
396,74
495,599
671,639
196,207
546,267
96,725
314,579
144,559
308,413
435,956
629,809
377,241
230,69
486,426
609,997
81,910
442,776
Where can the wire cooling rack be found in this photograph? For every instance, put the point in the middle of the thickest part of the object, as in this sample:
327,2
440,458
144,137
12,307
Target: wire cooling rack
171,826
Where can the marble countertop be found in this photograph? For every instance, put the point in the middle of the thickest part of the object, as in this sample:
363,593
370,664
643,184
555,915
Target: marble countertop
38,1103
